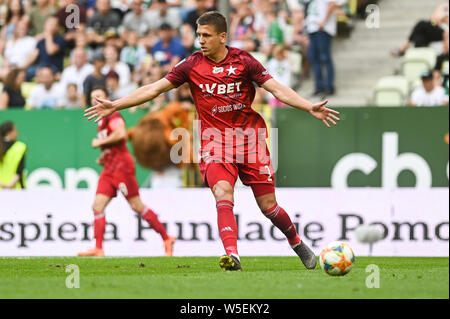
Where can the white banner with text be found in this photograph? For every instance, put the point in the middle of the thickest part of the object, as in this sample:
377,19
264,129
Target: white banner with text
413,222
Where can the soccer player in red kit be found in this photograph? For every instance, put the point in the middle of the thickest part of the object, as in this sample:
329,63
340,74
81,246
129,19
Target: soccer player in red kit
221,79
118,174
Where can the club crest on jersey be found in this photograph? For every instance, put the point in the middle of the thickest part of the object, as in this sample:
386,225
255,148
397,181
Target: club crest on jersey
217,70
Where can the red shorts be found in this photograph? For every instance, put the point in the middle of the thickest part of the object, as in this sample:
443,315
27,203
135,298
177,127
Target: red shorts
126,183
260,177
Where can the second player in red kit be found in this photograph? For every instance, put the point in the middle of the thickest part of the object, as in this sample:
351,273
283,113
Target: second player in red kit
118,174
222,80
118,165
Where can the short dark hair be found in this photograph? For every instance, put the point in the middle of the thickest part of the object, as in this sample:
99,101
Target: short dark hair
11,79
165,26
426,75
101,88
98,56
112,74
5,128
214,18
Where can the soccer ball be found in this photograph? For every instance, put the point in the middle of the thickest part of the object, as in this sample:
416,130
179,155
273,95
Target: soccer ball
337,258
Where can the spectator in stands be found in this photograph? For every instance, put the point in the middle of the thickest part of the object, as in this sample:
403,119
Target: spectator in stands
189,28
180,4
427,31
133,54
137,19
169,50
72,99
300,41
428,94
14,14
152,74
71,28
113,87
113,63
279,68
201,6
268,29
47,94
164,14
78,71
90,6
121,7
3,12
49,50
441,70
175,3
12,97
38,14
104,23
12,158
82,42
95,79
18,48
321,24
242,33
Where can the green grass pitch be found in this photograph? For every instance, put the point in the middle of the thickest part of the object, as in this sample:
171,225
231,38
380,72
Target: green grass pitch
201,278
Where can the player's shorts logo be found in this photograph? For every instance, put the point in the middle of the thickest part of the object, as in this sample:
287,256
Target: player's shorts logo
265,170
123,189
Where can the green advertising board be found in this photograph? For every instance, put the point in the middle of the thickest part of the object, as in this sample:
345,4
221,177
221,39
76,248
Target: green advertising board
370,147
59,147
374,147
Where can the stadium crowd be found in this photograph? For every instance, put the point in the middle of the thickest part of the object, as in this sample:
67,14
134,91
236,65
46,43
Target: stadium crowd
59,52
53,52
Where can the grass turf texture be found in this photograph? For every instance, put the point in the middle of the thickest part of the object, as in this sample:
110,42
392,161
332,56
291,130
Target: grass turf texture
201,277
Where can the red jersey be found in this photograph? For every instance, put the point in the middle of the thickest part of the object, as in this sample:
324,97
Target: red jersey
223,92
116,156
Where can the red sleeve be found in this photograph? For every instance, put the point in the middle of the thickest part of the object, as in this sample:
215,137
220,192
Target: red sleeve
115,120
114,123
256,71
180,72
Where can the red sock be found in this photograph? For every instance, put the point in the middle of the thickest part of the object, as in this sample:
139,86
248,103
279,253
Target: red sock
281,220
150,216
99,229
227,226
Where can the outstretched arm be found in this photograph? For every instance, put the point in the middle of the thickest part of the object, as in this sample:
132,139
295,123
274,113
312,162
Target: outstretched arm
290,97
103,108
118,134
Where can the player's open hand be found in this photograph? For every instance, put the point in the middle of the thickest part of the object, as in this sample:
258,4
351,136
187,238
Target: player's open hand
102,109
324,114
